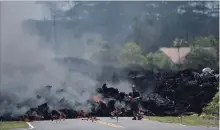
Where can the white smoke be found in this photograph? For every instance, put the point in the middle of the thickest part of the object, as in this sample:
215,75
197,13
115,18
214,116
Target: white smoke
27,66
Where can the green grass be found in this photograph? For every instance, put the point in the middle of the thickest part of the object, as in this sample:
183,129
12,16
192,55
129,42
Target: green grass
7,125
186,120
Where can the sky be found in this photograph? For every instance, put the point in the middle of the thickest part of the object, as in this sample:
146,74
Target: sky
22,10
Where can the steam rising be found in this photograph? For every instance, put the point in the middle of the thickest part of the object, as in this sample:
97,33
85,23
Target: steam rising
27,66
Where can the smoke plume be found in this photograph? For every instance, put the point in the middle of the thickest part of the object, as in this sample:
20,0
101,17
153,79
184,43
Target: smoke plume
28,65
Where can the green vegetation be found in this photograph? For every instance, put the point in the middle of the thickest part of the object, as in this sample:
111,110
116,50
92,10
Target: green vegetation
203,53
131,55
186,120
212,109
151,28
191,24
7,125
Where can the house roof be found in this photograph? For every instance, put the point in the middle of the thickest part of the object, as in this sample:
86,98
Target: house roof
175,55
172,53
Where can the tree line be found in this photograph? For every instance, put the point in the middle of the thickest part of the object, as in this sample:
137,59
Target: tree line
141,28
151,24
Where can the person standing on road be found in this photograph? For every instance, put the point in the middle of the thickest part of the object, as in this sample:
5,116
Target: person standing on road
135,98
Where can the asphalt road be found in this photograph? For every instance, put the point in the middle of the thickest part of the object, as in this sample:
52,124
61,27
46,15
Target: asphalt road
125,123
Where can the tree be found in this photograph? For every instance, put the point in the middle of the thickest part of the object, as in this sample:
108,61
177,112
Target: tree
180,43
158,60
105,55
204,53
55,8
146,31
212,108
185,20
131,55
151,24
149,63
208,41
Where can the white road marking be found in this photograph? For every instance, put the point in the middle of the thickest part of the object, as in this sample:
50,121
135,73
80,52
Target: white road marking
109,124
30,126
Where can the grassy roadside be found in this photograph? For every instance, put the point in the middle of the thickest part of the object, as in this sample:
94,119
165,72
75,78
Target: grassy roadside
186,120
8,125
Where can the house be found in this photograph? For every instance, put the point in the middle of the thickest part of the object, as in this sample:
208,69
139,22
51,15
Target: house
178,56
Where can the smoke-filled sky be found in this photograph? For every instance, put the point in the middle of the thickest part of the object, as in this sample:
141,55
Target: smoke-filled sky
27,66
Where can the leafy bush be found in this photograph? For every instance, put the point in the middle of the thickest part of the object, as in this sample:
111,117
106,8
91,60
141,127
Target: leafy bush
212,108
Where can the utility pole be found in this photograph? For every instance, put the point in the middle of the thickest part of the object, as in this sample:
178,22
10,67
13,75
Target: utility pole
178,48
187,36
54,32
178,43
